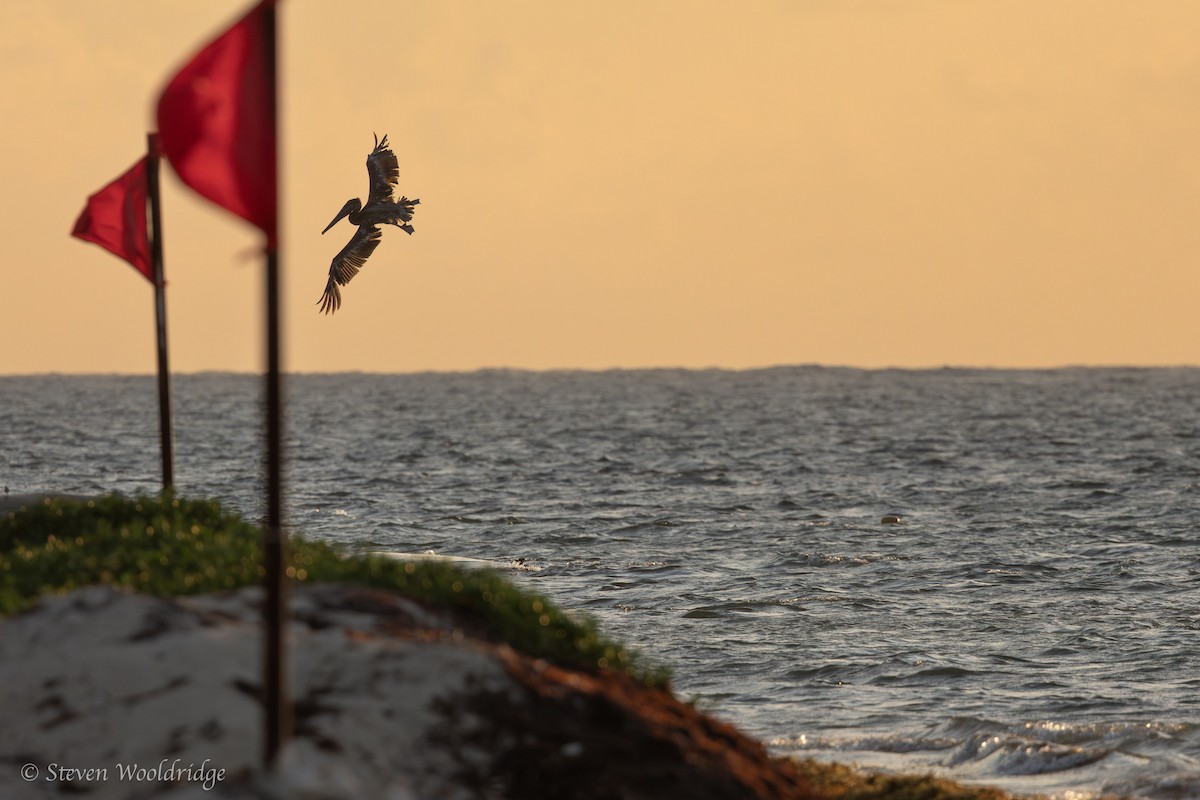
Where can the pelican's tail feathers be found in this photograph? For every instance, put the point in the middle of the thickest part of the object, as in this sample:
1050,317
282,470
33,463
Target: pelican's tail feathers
403,209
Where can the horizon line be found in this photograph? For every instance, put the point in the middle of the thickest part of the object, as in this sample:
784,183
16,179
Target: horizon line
598,370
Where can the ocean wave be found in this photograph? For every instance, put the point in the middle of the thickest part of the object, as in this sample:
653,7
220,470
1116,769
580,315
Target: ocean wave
873,743
717,610
1006,754
983,750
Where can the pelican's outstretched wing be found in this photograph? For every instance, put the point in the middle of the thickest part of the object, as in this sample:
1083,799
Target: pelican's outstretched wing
384,171
346,265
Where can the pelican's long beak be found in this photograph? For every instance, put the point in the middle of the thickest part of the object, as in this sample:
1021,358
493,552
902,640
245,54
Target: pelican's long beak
346,209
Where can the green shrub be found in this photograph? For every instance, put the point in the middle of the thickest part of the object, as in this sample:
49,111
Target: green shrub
172,546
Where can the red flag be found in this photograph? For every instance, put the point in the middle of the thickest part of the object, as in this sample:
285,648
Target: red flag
115,219
216,121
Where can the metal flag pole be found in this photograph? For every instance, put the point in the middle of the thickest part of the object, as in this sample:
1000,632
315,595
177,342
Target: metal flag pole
277,705
160,308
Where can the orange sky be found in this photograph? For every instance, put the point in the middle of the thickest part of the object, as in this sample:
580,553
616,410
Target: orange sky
635,183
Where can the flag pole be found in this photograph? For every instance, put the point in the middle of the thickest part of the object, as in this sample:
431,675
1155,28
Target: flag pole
278,727
167,447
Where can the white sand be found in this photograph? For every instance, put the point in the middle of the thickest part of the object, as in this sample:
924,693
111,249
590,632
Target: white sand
100,678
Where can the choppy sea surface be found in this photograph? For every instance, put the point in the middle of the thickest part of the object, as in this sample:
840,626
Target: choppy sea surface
1034,622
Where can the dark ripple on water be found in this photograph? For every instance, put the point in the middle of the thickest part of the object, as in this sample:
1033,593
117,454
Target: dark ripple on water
1034,623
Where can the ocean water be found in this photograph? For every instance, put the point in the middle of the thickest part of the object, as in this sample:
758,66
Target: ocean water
1033,624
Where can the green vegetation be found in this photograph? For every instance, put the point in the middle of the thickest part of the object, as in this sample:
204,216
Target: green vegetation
171,546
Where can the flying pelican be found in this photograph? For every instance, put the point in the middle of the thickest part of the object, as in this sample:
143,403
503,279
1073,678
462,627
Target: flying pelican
381,209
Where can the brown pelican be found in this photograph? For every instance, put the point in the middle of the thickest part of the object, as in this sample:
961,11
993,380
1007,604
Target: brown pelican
381,209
